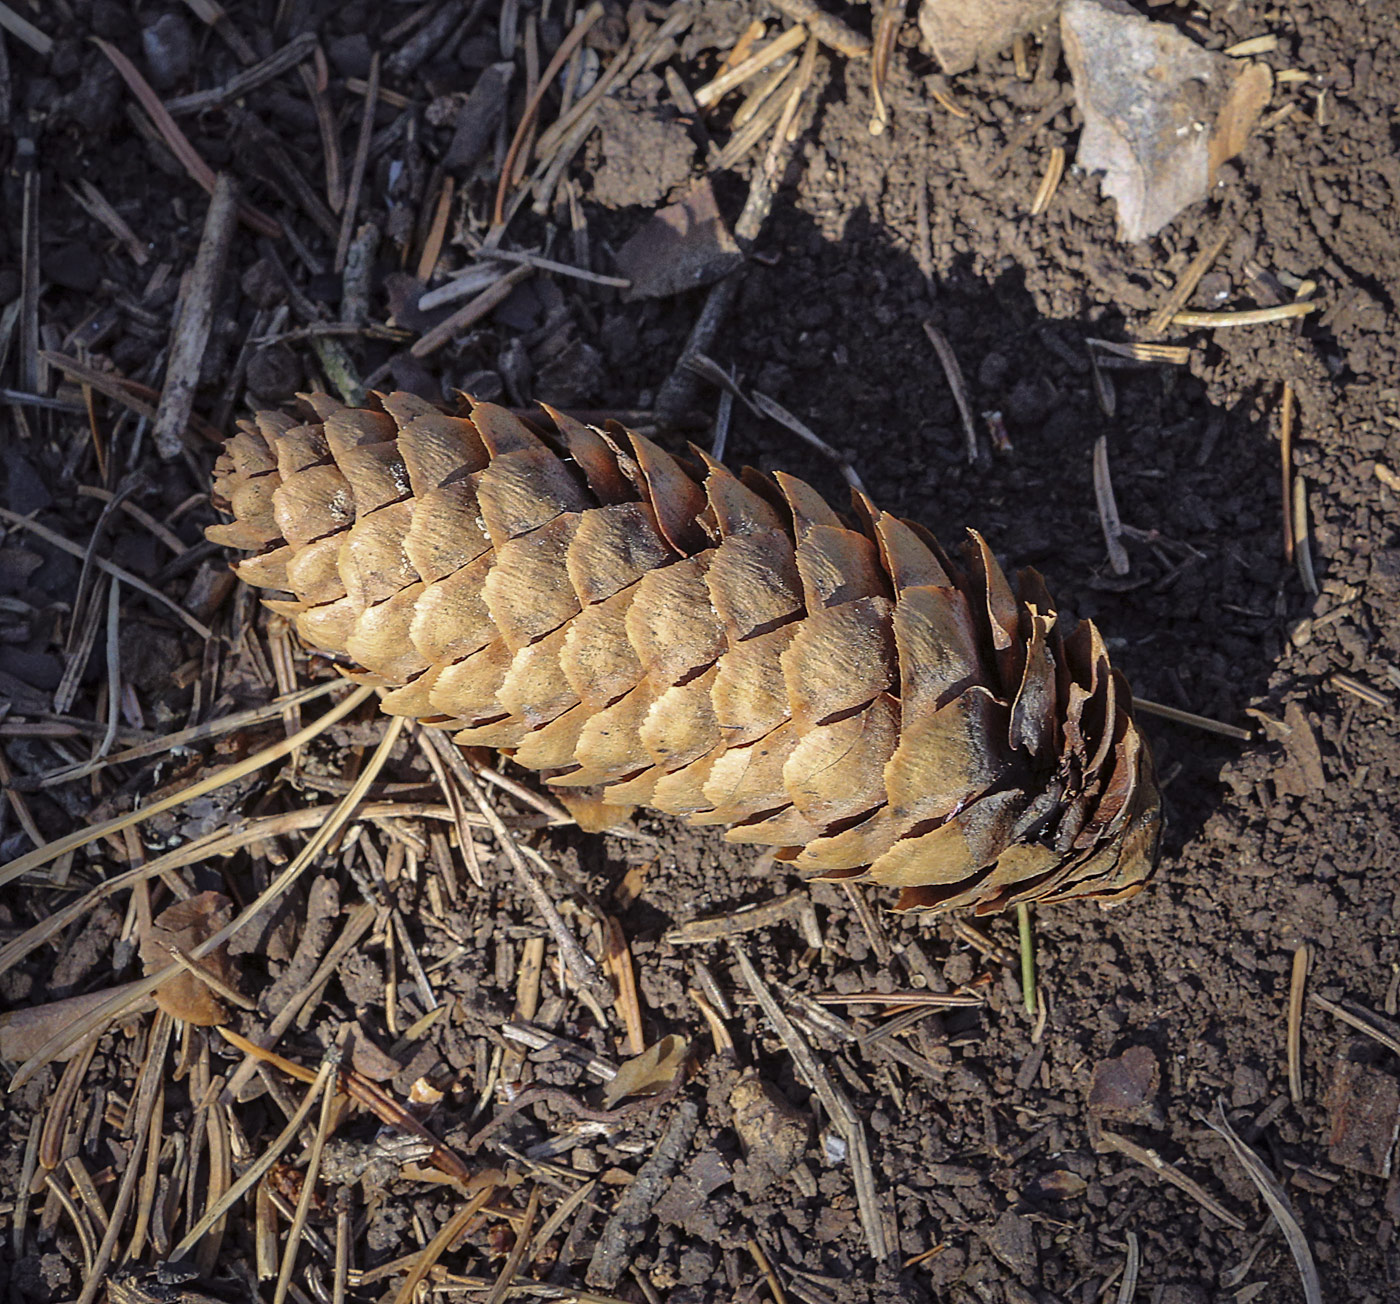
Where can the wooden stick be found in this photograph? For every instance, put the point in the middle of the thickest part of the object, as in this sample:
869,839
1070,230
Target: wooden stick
196,319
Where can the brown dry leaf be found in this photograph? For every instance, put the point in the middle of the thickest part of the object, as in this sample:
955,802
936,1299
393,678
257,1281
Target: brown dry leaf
679,247
24,1032
650,1072
185,925
1161,114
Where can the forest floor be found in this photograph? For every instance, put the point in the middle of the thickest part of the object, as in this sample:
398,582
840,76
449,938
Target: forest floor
977,1153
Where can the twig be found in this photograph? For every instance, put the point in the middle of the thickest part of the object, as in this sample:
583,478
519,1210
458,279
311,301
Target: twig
827,28
949,361
196,319
298,48
470,313
357,168
1296,988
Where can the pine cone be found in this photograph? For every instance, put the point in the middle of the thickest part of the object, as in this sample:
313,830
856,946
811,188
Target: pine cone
721,647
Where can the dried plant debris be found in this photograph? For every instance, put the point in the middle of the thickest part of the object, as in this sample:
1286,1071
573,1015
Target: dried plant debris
680,247
1161,114
961,34
720,647
1363,1106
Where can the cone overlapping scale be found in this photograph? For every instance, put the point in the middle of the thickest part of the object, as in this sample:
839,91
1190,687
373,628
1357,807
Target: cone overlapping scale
722,647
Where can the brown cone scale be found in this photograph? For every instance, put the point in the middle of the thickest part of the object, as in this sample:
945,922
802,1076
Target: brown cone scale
722,647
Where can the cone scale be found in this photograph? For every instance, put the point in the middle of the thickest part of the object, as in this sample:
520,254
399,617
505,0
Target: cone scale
658,631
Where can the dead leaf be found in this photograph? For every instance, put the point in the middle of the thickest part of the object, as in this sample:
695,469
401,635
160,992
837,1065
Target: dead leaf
648,1073
185,925
1161,114
679,247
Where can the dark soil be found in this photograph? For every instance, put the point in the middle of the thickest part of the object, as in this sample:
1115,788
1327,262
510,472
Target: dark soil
992,1181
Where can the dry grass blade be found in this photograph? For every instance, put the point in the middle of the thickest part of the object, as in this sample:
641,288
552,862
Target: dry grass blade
96,205
712,92
23,30
148,1091
229,774
180,146
1277,1201
1173,713
1178,355
1245,317
1108,509
307,856
1152,1160
1302,536
1371,696
887,22
617,960
948,360
838,1107
253,1173
1050,182
777,412
108,568
560,269
437,1247
1362,1021
1301,958
308,1189
1131,1268
517,1254
584,971
1186,286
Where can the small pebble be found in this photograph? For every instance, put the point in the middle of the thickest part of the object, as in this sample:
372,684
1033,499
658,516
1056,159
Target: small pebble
168,44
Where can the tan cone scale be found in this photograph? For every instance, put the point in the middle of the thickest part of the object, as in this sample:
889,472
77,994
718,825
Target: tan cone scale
718,646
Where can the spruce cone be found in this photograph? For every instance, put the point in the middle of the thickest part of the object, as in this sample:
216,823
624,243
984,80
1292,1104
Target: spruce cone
721,647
